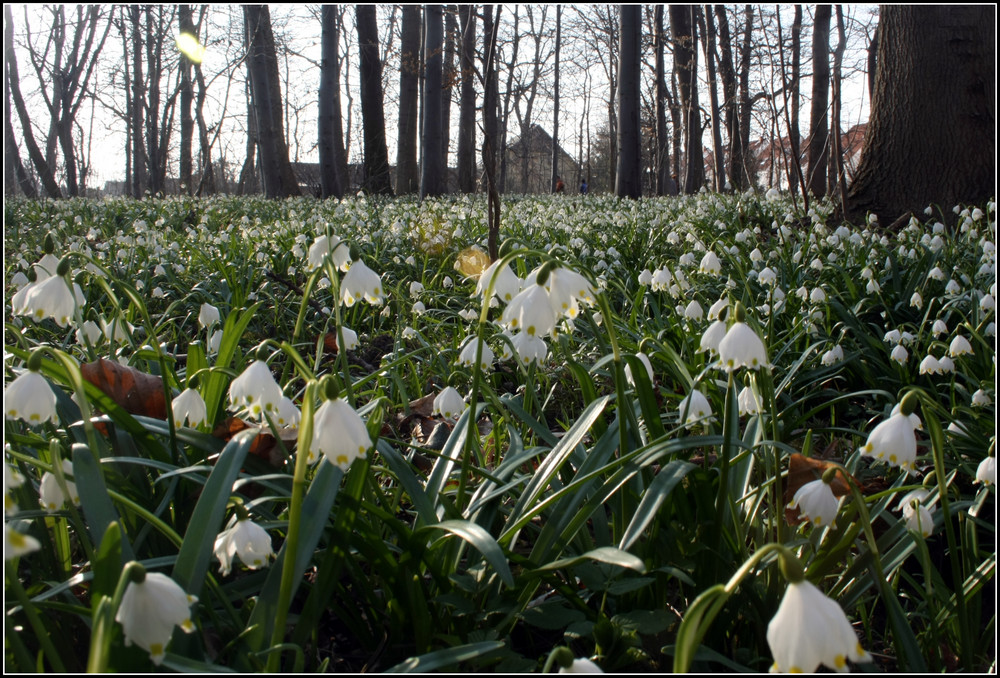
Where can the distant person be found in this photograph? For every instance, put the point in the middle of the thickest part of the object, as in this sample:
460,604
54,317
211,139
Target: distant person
560,186
583,187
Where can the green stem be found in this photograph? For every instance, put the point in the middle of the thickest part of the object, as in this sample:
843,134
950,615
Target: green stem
14,583
104,616
294,523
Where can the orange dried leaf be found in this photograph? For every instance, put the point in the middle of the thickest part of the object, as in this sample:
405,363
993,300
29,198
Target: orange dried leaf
134,391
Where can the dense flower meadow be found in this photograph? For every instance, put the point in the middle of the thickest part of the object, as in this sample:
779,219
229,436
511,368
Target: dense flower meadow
707,433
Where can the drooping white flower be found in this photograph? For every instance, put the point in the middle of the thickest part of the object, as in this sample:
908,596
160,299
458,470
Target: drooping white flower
917,515
247,540
531,311
816,502
959,346
693,407
767,276
51,495
416,288
746,401
339,433
939,327
287,413
323,246
467,355
893,441
30,398
361,282
208,315
986,472
449,403
809,629
930,365
741,347
189,406
16,543
694,311
150,610
49,298
350,339
710,263
981,399
506,286
529,348
567,289
581,666
900,354
644,359
834,355
256,390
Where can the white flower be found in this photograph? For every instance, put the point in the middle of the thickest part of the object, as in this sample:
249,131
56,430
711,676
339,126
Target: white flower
467,356
189,406
339,433
939,327
17,544
416,288
710,263
644,359
767,276
51,495
245,539
51,297
900,354
30,398
360,281
917,301
646,277
531,311
694,407
986,472
288,414
418,308
959,346
215,341
208,315
935,274
408,333
741,347
946,364
930,365
817,296
529,348
893,441
12,478
917,516
981,398
694,311
447,282
449,403
350,338
746,401
256,390
506,286
328,245
566,289
816,502
581,666
89,331
834,355
149,611
809,629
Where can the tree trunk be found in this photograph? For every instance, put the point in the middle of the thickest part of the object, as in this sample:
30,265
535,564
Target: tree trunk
432,168
682,26
554,178
793,129
377,176
663,179
838,182
466,158
708,21
819,141
727,73
185,23
407,169
331,139
629,170
139,160
931,136
448,80
262,64
747,159
490,82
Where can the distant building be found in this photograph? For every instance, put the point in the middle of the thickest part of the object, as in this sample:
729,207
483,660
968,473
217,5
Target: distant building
529,164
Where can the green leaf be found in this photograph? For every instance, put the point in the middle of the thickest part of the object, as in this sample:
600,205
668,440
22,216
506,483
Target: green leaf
107,562
482,540
441,659
206,521
605,554
654,496
97,507
552,616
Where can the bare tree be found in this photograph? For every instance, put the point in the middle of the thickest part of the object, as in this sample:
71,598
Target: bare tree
407,169
262,65
555,108
377,177
819,142
466,159
682,25
331,132
432,170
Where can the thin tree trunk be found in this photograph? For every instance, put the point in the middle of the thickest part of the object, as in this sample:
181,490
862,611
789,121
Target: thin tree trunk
330,146
555,109
466,159
490,82
708,20
838,184
377,177
793,130
185,23
139,160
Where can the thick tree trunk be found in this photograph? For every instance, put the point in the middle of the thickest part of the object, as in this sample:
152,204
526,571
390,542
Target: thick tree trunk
432,171
682,25
629,170
747,159
931,137
466,158
377,176
490,101
554,178
139,160
727,73
185,22
448,80
819,133
262,64
331,139
407,169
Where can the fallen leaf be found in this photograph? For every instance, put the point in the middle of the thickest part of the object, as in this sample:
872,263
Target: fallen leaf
134,391
802,470
264,446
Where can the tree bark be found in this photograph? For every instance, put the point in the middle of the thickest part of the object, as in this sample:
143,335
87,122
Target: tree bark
407,169
448,80
931,136
554,178
466,159
490,101
185,23
708,21
331,136
682,26
377,176
727,73
629,171
262,64
663,179
432,173
793,129
819,134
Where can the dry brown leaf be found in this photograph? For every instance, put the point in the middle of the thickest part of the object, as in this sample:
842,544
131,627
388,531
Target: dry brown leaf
134,391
